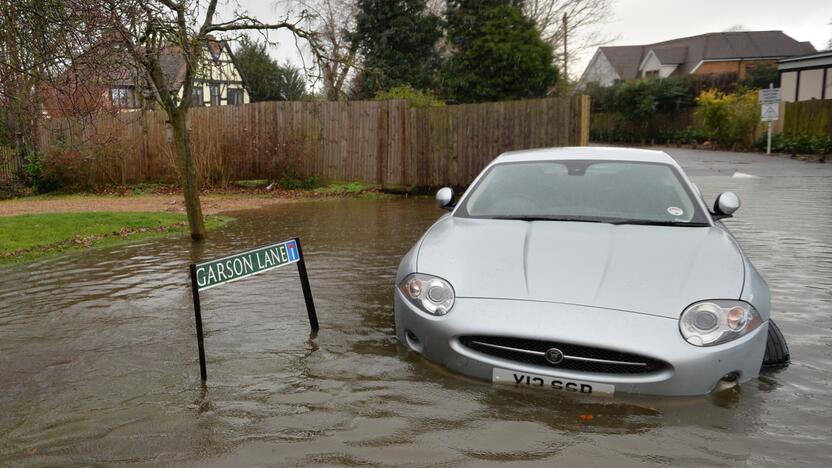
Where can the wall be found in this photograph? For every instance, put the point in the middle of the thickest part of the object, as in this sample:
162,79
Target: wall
708,68
600,71
221,71
788,85
377,142
811,85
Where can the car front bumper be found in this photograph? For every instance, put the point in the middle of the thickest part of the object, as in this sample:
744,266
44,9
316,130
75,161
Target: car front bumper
692,370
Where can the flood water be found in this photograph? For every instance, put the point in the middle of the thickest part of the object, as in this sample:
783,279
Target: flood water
98,359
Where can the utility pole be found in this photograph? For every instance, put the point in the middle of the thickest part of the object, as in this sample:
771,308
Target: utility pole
768,138
565,56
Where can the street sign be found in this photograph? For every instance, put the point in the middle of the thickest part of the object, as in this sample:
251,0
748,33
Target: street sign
245,264
206,275
770,112
769,95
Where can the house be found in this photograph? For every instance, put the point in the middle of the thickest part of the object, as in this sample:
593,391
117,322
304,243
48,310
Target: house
806,77
106,78
712,53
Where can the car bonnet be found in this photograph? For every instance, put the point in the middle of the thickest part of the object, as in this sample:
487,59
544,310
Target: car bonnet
656,270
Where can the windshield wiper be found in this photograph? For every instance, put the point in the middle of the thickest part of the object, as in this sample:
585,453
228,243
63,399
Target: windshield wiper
578,219
615,221
647,222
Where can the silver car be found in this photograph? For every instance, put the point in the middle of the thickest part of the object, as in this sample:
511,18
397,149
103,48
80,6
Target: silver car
587,270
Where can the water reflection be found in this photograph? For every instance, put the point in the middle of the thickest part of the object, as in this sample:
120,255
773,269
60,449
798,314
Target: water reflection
98,356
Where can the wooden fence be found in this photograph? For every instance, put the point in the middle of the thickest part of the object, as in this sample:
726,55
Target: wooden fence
11,167
378,142
806,117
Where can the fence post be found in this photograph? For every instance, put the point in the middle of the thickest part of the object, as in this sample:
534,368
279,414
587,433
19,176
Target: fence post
584,112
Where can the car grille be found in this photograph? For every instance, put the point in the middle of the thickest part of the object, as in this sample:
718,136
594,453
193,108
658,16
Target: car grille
575,357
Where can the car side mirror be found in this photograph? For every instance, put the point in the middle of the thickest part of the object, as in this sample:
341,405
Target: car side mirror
445,198
726,204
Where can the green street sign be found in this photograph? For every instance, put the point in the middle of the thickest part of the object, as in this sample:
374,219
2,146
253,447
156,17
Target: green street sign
211,273
245,264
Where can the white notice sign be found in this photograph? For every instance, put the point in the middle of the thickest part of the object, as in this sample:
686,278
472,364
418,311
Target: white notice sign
769,95
770,112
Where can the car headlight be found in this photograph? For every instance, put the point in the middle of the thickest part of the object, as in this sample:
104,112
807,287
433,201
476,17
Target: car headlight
429,293
710,323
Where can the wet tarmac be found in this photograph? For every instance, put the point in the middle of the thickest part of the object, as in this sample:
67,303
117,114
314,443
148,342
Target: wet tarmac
98,361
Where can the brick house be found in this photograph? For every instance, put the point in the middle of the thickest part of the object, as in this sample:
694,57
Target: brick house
712,53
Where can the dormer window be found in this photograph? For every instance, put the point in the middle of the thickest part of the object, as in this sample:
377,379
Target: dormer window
215,49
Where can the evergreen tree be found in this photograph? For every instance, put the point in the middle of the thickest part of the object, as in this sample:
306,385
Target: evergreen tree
497,53
397,40
268,80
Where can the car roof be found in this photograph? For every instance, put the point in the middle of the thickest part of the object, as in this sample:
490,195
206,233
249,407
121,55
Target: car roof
586,152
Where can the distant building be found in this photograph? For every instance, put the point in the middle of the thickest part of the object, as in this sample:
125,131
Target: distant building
107,79
806,77
712,53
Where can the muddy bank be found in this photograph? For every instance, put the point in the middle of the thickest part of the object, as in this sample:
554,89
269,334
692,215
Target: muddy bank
211,204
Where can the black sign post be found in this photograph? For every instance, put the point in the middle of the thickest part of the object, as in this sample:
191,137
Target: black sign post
212,273
307,290
200,340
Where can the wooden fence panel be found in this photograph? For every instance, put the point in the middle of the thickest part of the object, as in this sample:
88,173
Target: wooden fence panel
807,117
11,167
452,144
379,142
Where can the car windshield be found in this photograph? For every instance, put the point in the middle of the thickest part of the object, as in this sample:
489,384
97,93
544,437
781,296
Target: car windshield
620,192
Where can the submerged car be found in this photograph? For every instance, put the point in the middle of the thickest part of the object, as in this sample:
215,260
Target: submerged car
587,270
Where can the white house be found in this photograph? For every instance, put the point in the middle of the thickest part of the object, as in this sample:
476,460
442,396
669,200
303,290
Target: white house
217,80
725,52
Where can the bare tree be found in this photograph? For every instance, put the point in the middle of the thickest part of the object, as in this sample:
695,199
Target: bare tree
334,52
15,85
572,22
736,28
25,59
90,39
829,43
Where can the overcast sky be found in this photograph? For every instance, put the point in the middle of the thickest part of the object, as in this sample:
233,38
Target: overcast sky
647,21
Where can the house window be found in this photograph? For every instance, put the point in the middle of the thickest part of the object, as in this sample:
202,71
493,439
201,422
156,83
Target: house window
196,96
122,98
215,94
651,74
235,96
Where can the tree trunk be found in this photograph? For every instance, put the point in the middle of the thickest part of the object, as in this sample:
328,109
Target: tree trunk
187,173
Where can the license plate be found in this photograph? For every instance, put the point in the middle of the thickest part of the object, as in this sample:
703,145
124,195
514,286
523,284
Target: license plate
523,379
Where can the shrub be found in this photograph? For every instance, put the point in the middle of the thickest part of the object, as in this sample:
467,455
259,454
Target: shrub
761,75
729,118
728,108
802,143
67,170
292,181
413,96
37,174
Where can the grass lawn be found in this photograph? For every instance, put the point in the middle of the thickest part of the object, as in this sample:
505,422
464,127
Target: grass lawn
28,237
